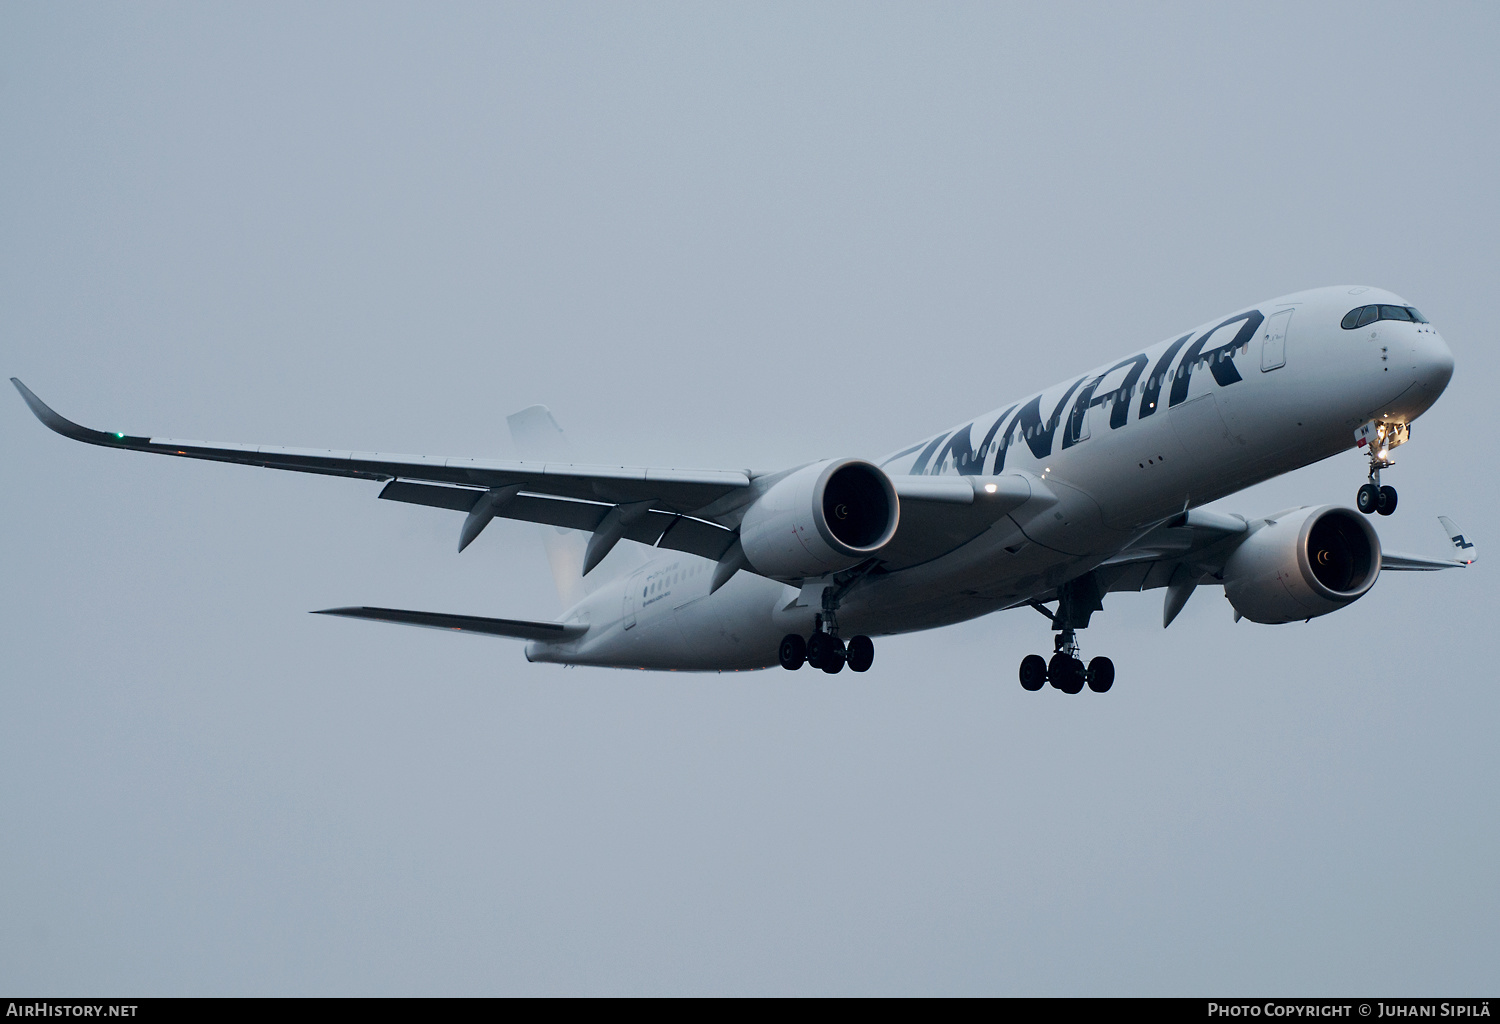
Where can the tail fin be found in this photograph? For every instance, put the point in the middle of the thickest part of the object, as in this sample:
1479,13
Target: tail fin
537,436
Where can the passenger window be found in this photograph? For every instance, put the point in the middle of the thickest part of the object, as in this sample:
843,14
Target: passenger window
1394,313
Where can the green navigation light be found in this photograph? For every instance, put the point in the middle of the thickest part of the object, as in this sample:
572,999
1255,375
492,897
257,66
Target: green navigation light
120,436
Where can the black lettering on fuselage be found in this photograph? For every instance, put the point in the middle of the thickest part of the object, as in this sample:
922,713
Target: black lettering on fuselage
1220,359
989,438
1158,375
1038,436
1004,445
1119,396
969,461
958,446
926,456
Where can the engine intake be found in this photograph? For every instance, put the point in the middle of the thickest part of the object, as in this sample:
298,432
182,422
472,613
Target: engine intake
820,519
1302,564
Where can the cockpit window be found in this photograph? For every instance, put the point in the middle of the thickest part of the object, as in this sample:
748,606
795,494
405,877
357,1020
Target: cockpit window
1369,314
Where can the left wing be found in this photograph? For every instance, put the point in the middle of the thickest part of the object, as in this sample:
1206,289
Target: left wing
672,490
615,502
694,511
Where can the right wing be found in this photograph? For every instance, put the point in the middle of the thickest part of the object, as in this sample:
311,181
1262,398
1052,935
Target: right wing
519,629
1463,548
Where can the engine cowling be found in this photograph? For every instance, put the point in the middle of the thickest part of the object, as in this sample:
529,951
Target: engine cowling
1305,563
822,518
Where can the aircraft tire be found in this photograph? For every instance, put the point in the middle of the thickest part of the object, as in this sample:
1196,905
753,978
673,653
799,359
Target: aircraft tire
834,657
1385,504
1033,672
1101,675
861,654
1066,673
1368,499
817,647
793,652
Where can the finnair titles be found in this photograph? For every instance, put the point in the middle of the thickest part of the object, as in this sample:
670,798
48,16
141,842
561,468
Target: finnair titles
1051,502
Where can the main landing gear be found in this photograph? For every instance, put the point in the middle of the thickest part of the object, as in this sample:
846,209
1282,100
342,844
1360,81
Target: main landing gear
1066,671
824,649
1077,600
827,652
1381,438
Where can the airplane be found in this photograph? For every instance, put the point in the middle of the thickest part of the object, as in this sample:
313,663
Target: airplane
1091,487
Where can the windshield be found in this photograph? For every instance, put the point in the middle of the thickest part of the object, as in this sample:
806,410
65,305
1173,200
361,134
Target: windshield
1369,314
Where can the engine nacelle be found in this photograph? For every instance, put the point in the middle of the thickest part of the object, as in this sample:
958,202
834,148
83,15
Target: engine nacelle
1308,562
822,518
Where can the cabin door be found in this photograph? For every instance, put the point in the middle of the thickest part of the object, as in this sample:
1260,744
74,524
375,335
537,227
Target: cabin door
1273,341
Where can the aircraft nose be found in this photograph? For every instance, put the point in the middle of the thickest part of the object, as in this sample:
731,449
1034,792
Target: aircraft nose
1434,363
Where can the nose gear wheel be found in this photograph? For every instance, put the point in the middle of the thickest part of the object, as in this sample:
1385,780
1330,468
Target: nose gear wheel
1379,437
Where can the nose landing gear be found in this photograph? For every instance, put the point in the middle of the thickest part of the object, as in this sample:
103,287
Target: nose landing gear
1379,437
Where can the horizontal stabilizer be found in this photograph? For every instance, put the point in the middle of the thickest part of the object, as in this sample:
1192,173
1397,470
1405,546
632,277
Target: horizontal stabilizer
519,629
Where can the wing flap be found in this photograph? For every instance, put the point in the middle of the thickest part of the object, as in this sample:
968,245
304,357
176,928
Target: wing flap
1395,561
518,629
660,529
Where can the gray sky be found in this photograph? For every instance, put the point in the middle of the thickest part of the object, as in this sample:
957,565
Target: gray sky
721,236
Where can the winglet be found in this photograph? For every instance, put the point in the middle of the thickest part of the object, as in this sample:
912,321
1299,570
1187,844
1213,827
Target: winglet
67,428
1464,548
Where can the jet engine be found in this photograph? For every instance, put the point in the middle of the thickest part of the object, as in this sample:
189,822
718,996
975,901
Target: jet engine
1306,562
820,519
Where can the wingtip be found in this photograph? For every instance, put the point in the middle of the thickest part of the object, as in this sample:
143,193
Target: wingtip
40,409
60,424
29,396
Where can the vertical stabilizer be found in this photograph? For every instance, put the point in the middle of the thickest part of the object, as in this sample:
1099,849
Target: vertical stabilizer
538,438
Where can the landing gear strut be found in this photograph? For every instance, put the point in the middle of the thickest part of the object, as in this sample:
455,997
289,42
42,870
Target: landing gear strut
1381,438
1077,600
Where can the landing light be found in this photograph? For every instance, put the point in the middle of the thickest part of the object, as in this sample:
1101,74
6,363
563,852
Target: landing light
989,488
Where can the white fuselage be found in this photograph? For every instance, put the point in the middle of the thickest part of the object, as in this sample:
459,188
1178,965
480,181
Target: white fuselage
1235,401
